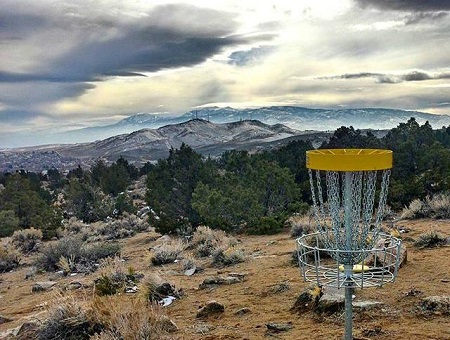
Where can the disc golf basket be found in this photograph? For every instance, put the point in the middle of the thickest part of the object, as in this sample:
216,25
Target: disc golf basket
346,185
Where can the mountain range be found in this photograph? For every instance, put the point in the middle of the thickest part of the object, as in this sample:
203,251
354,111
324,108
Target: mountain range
209,131
205,137
295,117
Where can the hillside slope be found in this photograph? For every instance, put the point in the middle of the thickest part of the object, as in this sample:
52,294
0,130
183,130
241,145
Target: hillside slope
205,137
269,290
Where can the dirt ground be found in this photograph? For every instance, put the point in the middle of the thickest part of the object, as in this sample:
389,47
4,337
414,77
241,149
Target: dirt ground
426,273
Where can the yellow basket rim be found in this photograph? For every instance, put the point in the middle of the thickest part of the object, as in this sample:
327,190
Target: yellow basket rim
349,159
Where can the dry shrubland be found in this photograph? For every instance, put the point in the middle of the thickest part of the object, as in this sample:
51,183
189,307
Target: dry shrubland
437,206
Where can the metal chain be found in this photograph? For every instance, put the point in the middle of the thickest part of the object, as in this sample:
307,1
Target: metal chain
330,216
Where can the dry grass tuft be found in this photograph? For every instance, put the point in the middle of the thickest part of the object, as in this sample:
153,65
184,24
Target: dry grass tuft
437,206
228,257
167,252
207,241
300,225
123,317
109,317
127,226
414,210
115,278
68,318
430,240
188,262
156,289
27,240
72,254
9,258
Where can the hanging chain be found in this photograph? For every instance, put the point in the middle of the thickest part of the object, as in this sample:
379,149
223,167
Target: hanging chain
330,216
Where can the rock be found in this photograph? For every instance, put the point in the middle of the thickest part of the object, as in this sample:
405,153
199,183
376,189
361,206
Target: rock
436,304
164,238
4,319
190,271
240,276
366,305
131,289
26,331
164,290
229,280
403,256
277,289
203,328
379,260
372,332
43,286
279,327
167,301
218,280
413,292
56,275
308,299
167,325
242,311
332,301
212,308
74,285
30,273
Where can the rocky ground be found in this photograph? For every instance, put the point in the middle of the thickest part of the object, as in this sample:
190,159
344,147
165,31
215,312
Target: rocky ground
258,294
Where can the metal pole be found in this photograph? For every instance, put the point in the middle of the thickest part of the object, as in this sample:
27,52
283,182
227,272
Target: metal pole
348,303
348,267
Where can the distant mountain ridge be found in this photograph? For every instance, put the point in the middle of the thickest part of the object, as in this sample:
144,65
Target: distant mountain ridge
145,145
299,118
295,117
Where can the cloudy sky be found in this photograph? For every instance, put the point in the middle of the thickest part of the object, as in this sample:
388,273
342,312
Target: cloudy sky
70,64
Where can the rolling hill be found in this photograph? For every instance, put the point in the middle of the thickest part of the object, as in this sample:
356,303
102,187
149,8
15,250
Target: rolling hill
145,145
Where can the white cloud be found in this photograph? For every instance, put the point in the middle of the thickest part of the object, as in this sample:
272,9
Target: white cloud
63,61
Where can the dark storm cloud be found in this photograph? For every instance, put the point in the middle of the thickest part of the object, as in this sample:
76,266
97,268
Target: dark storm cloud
424,16
27,94
131,56
17,25
419,10
168,37
357,75
11,77
390,78
429,98
407,5
66,48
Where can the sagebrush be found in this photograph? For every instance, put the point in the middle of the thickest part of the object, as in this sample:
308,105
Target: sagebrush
437,206
167,252
300,225
9,258
27,240
109,317
431,239
83,257
207,241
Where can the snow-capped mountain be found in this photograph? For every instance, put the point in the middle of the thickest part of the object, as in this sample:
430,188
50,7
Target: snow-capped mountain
203,136
295,117
152,144
301,118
